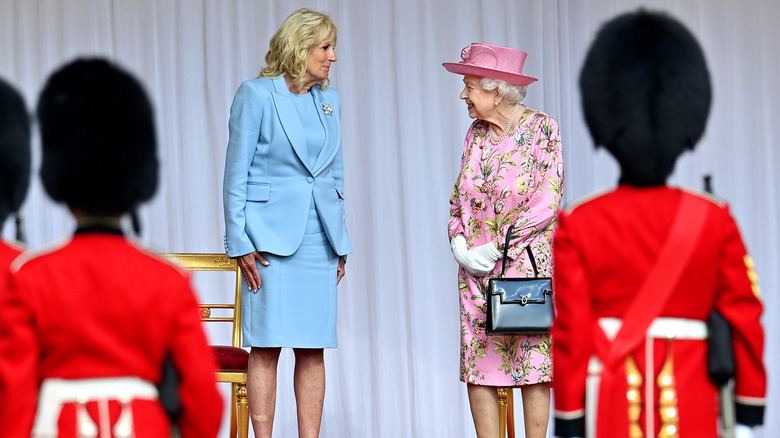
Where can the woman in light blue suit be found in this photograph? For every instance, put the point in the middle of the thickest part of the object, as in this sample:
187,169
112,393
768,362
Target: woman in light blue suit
284,214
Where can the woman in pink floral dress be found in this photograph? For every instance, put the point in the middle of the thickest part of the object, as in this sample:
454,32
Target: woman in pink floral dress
511,175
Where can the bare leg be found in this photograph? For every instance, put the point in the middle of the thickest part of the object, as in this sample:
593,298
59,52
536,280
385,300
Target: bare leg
484,409
536,409
261,389
309,383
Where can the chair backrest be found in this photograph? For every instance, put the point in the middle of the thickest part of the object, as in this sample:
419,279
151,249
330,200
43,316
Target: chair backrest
216,262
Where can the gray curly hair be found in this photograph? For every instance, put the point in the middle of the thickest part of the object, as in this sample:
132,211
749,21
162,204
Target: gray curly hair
512,93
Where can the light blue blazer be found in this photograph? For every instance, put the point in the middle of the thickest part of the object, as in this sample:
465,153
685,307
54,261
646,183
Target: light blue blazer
269,179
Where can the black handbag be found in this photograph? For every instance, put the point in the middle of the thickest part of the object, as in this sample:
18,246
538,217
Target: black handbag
519,305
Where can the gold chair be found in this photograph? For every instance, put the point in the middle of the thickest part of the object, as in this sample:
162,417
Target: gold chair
232,360
506,413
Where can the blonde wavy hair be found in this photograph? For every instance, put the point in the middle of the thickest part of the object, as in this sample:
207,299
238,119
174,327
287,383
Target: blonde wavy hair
288,50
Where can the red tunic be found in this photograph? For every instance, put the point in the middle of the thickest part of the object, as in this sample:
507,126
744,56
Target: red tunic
8,252
100,307
603,250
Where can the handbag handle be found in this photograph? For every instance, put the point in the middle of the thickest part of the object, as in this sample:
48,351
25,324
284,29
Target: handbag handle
527,249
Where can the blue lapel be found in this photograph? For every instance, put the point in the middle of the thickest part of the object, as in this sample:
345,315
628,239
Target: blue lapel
330,122
290,121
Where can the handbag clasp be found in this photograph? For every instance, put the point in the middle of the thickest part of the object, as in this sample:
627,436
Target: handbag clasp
524,299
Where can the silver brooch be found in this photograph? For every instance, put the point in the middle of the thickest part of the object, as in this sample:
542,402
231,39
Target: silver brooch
327,109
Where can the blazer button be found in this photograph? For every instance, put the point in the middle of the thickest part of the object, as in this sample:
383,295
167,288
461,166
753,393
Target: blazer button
309,180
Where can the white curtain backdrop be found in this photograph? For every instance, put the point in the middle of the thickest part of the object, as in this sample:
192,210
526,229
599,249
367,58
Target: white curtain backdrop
395,373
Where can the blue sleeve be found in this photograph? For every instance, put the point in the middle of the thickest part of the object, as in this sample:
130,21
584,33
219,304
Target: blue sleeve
246,115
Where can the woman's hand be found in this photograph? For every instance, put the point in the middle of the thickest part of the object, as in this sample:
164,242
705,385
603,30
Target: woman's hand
341,269
478,261
249,269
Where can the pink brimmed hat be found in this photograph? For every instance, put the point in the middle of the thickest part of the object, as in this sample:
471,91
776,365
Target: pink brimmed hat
493,62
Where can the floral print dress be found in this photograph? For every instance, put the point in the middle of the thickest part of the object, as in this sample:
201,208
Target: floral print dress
516,182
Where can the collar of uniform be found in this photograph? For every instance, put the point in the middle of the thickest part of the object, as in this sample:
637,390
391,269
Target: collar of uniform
102,225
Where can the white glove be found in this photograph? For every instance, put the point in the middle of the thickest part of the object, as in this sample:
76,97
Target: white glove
459,247
742,431
478,261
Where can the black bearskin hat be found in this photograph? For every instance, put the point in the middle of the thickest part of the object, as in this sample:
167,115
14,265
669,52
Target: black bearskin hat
645,94
98,138
14,150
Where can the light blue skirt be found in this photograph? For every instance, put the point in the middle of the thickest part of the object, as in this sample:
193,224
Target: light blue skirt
296,304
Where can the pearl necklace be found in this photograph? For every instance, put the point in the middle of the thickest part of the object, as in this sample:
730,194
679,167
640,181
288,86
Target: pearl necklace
496,139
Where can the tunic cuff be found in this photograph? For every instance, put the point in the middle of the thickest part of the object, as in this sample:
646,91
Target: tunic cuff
574,427
749,415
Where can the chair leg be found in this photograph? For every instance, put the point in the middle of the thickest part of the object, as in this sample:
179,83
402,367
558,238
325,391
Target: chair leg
233,404
242,411
502,399
510,413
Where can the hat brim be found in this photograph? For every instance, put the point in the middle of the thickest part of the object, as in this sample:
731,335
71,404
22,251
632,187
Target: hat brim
465,69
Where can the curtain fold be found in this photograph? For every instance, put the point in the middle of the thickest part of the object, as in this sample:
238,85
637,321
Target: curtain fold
395,373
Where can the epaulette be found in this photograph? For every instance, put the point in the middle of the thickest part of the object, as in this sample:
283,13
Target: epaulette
30,254
158,255
586,198
720,202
